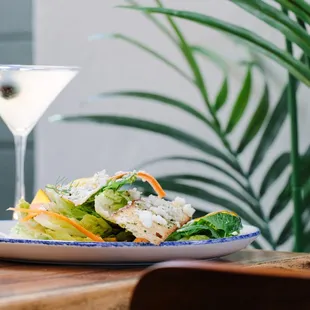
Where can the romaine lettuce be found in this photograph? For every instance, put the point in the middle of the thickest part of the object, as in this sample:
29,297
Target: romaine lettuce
32,230
97,226
67,208
110,201
22,204
115,185
215,225
29,230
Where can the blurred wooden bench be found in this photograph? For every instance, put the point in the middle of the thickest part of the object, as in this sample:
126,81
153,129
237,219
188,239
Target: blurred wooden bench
205,285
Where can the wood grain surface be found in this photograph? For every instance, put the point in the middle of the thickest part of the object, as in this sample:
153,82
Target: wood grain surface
30,286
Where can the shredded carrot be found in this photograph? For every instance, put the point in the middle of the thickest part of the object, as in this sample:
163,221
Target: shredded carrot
156,186
147,177
28,217
140,240
61,217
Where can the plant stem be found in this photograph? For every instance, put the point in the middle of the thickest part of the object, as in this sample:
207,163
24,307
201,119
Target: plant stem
295,159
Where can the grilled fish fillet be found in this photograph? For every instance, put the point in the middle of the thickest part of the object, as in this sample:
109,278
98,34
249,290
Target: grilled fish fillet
152,218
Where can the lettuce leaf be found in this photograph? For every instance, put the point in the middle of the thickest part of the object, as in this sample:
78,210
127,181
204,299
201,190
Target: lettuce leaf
33,230
29,230
46,227
119,183
67,208
23,204
97,226
115,185
215,225
226,224
110,201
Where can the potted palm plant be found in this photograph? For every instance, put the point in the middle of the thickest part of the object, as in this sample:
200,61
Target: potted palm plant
291,19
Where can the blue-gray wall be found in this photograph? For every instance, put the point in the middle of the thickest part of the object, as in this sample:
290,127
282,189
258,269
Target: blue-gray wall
15,48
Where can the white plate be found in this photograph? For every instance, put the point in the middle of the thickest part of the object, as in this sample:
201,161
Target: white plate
67,252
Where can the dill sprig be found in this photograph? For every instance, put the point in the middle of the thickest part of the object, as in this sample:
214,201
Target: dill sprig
59,186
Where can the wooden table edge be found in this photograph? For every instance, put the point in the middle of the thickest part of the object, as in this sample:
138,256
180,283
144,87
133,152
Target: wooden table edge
114,293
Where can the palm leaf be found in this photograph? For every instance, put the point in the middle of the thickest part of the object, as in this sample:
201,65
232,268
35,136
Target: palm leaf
207,163
157,23
222,95
256,245
302,4
286,193
275,18
274,172
282,200
213,56
256,122
189,56
146,49
158,98
291,6
213,182
303,25
241,102
295,67
158,128
273,127
271,131
286,233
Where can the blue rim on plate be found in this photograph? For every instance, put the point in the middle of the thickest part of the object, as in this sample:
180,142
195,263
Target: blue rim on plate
131,244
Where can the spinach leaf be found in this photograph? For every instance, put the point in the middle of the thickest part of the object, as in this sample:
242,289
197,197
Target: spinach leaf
224,222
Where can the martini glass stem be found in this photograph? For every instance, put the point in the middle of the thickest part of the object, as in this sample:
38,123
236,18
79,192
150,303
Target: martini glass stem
20,149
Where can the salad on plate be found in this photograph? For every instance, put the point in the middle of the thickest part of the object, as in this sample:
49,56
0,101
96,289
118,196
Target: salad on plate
105,208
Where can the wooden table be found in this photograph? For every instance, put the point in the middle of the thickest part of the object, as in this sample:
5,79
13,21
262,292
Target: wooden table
29,286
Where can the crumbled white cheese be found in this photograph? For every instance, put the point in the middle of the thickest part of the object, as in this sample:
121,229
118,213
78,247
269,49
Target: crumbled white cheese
179,202
160,211
134,194
188,210
156,201
159,220
146,218
78,192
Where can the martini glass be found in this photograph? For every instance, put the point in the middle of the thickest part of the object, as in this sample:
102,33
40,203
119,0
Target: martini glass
25,94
